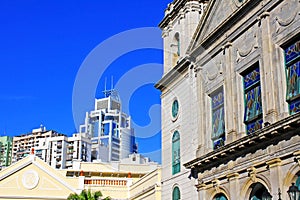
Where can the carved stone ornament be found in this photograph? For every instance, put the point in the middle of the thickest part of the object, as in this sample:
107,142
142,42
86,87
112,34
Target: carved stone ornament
30,179
250,41
287,14
238,3
212,72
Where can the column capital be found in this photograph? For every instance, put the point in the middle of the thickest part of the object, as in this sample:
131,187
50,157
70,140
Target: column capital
232,176
297,157
274,162
265,14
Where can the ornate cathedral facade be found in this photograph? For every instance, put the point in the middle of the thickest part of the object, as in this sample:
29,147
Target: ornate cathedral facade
231,100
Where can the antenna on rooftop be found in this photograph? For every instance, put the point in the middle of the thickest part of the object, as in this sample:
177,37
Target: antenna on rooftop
105,84
112,82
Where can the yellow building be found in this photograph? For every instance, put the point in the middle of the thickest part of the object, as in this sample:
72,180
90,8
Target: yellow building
32,178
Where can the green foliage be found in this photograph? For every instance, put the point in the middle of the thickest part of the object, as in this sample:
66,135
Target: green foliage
87,195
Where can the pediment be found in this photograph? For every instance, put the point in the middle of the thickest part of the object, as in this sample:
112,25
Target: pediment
36,180
217,12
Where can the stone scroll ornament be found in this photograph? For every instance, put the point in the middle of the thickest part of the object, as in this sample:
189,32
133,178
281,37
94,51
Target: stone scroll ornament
238,3
281,20
252,41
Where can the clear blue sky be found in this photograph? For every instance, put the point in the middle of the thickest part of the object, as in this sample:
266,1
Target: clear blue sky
43,45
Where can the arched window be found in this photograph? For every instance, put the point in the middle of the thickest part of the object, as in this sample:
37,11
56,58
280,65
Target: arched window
176,194
177,41
298,182
175,45
220,197
259,192
175,153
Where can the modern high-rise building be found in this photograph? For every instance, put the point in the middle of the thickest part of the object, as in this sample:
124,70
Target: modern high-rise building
5,151
110,129
54,148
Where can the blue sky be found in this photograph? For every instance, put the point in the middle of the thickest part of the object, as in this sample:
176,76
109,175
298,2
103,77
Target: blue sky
45,43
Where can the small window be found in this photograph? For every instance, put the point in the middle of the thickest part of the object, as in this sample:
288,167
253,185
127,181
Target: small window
175,46
175,153
218,123
175,108
253,105
292,64
176,194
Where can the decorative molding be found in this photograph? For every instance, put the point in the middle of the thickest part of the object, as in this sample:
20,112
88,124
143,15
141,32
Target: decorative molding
279,22
252,174
232,176
241,53
10,184
238,3
274,162
47,184
30,179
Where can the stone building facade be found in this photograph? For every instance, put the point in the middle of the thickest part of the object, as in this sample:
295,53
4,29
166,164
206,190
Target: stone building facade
235,98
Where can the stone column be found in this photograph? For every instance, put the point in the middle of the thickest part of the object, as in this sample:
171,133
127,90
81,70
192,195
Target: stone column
201,128
234,186
268,70
275,176
230,97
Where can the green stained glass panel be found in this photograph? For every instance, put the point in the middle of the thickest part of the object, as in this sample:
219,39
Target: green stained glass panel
175,108
176,194
175,153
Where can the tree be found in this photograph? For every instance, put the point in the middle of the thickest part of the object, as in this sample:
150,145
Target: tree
86,195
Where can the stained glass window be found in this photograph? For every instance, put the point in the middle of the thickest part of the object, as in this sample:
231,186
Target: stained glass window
218,123
175,108
176,194
175,153
292,62
253,105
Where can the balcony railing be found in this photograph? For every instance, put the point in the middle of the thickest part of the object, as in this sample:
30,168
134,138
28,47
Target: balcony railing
105,182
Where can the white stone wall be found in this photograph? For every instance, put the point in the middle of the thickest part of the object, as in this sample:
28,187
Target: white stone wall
182,88
258,36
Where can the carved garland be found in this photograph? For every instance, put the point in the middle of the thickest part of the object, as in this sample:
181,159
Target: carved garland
286,22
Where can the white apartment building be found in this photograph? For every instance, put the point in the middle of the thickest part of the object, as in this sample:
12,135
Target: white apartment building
54,148
110,129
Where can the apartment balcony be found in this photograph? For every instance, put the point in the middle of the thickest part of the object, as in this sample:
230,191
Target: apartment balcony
59,145
58,165
69,164
69,158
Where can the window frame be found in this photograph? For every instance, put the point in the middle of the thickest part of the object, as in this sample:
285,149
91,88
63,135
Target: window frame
250,123
218,140
292,100
176,160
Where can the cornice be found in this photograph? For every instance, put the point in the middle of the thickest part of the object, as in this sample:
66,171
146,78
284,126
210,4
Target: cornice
173,74
173,10
218,32
269,135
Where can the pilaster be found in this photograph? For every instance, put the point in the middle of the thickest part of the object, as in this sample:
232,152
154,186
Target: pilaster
230,94
275,176
268,70
201,104
234,185
201,189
